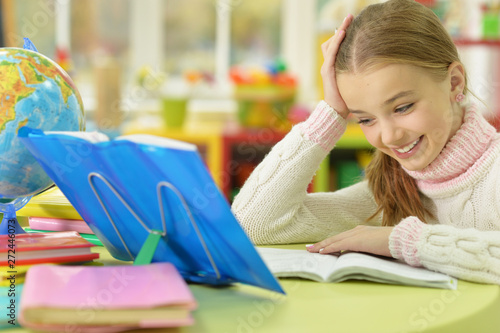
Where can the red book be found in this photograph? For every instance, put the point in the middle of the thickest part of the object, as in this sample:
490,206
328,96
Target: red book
50,247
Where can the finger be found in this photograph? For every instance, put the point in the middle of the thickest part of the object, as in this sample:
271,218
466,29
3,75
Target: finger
334,45
325,243
360,229
340,246
326,45
330,53
349,240
340,34
347,21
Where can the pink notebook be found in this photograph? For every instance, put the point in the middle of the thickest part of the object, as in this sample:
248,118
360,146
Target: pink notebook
56,224
105,298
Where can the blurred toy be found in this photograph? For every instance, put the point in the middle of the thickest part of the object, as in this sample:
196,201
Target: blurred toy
265,95
455,18
150,79
490,20
63,59
298,114
193,76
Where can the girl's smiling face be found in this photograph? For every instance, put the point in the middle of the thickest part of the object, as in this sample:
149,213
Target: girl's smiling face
404,111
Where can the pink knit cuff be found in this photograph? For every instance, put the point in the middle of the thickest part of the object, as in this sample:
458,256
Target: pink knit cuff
324,126
404,238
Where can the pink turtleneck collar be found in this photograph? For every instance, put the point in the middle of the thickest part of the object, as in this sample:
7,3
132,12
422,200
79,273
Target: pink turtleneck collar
467,145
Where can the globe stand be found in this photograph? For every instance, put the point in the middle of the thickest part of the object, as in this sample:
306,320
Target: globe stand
10,224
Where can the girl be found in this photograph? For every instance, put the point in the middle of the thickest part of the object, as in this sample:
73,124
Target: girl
432,191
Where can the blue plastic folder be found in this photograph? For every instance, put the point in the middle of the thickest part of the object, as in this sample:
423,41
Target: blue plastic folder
128,190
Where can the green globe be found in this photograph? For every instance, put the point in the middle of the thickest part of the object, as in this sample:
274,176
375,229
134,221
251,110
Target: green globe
34,92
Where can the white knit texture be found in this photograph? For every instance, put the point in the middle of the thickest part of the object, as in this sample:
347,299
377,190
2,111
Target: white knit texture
468,254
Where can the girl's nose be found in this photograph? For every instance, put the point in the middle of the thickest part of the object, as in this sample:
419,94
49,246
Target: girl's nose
390,133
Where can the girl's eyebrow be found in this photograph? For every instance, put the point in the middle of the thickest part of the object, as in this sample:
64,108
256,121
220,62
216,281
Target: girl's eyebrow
398,95
390,100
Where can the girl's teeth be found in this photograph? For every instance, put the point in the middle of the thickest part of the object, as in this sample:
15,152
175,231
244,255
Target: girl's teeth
408,148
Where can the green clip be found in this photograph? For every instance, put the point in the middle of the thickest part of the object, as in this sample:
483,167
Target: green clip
148,249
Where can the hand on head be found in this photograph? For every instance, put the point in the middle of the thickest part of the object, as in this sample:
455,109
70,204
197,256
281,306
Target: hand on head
330,48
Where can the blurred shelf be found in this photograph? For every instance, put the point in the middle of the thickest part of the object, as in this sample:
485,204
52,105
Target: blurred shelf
217,145
353,138
476,42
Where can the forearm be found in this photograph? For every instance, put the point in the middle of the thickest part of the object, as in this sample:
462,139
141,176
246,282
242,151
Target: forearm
273,206
272,196
467,254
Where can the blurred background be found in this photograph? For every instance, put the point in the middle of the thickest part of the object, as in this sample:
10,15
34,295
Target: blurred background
231,76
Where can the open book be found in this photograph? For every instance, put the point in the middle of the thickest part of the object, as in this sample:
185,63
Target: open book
351,265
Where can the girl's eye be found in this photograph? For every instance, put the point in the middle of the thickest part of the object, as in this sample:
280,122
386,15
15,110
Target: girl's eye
404,109
365,122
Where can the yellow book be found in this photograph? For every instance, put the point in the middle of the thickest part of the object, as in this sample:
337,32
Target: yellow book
8,282
10,276
51,203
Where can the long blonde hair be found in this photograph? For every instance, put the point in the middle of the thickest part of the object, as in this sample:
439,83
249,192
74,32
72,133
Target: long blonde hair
396,32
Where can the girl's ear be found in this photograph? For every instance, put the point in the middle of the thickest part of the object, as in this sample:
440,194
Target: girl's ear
457,79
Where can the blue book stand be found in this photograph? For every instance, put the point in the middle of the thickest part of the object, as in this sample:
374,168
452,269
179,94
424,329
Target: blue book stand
150,203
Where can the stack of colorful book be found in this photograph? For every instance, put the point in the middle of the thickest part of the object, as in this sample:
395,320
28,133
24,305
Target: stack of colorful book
38,248
51,203
22,252
52,211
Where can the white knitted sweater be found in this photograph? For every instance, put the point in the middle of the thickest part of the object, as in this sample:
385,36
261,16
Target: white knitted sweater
461,188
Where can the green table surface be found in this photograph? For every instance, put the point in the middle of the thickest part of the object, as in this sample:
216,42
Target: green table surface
351,306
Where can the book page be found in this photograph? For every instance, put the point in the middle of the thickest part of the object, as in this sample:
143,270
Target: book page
298,263
96,137
158,141
390,270
350,266
93,137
